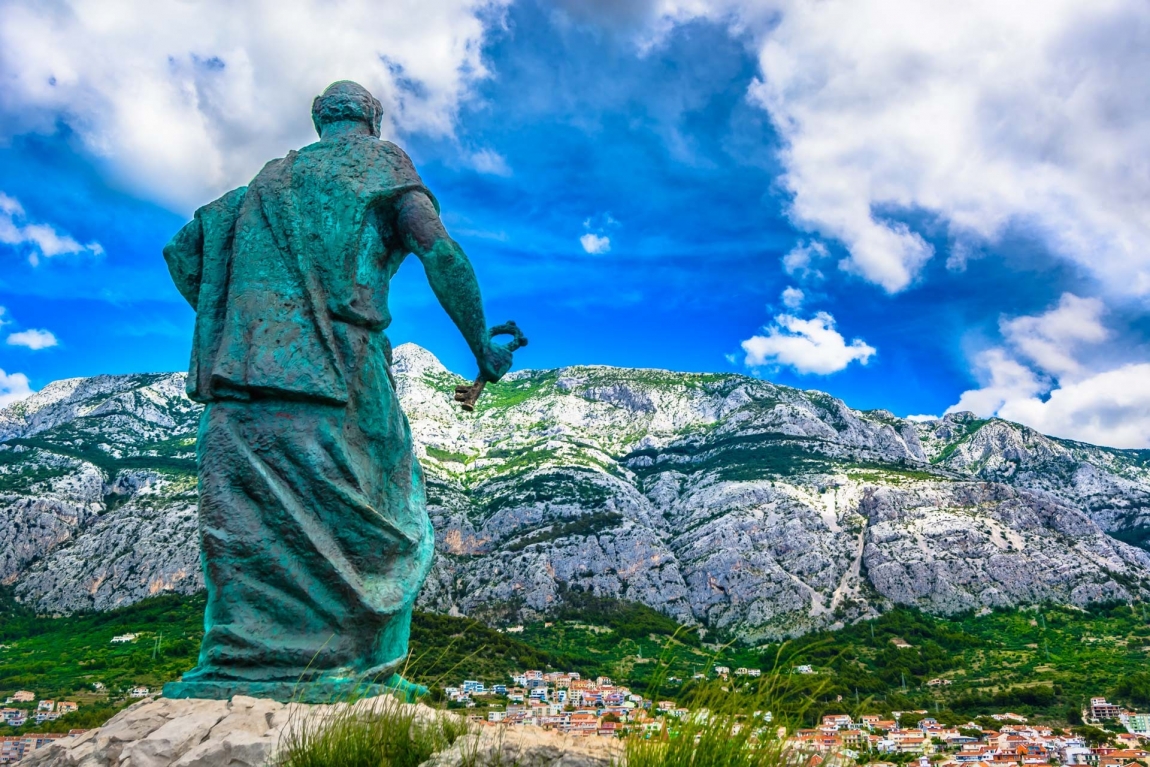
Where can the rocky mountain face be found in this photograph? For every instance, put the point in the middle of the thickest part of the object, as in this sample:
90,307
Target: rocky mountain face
718,499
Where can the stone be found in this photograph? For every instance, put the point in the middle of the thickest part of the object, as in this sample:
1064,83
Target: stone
175,737
246,732
529,747
314,533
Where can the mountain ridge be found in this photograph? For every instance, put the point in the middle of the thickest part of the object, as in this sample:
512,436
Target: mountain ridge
716,498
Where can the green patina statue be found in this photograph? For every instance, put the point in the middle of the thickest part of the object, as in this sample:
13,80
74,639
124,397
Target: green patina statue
313,523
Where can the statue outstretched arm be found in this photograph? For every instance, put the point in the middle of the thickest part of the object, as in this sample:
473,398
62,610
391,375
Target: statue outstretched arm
452,280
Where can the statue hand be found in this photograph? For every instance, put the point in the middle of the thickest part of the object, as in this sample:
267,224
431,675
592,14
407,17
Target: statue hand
494,362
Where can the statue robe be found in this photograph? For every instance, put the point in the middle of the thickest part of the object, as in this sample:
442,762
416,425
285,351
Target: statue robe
314,530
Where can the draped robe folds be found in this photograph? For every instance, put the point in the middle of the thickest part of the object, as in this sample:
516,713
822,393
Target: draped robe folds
313,522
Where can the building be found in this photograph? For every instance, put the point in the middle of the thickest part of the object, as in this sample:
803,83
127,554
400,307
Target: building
46,705
21,696
66,707
837,721
13,749
1100,709
1139,724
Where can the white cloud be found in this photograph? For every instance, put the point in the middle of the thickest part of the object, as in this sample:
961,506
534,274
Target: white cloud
984,113
33,339
594,243
1041,377
921,418
808,346
3,314
13,388
1049,340
801,261
792,297
490,162
40,240
185,100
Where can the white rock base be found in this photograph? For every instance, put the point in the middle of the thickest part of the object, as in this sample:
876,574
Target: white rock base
245,732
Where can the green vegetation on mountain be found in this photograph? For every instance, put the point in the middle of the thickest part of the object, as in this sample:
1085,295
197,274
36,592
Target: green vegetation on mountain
1041,662
1045,661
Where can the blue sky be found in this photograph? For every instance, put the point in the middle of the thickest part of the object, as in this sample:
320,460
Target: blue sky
955,224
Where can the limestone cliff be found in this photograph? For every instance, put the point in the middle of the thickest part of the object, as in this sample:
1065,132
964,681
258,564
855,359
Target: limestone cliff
715,498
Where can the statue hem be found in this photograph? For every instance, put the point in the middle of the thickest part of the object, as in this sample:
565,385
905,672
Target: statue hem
316,691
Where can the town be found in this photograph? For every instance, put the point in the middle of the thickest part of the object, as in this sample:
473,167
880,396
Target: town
565,702
13,748
601,707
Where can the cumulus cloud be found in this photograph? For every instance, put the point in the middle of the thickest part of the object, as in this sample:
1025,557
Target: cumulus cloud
39,240
13,388
921,418
595,243
185,100
987,115
1042,376
792,297
807,345
33,339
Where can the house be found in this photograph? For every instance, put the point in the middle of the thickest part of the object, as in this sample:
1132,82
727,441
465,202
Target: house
583,724
805,668
722,670
900,643
748,672
66,707
610,729
139,692
46,705
937,682
1101,709
1136,723
837,721
124,638
1122,757
21,696
908,741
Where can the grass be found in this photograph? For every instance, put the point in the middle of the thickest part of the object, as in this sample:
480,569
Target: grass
374,732
731,724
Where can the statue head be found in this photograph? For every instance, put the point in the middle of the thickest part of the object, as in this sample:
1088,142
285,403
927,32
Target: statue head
343,101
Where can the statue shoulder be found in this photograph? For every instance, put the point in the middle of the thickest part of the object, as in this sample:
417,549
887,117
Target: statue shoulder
225,204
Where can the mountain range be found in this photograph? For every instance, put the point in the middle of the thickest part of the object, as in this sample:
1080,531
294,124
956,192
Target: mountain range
751,509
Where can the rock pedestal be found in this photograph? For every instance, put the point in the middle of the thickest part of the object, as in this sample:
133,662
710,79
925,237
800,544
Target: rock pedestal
245,732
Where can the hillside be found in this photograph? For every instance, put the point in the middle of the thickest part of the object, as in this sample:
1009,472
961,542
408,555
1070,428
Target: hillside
720,500
1042,662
